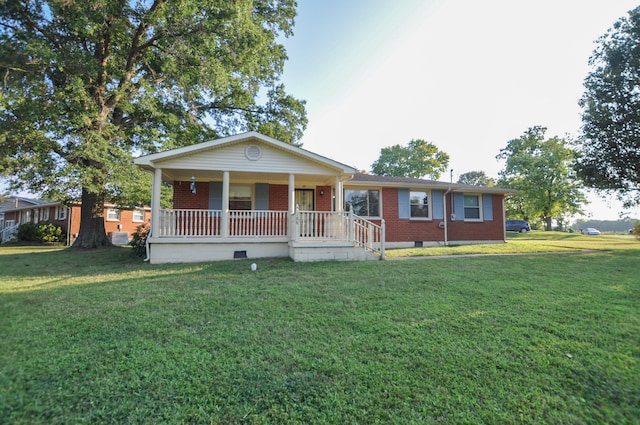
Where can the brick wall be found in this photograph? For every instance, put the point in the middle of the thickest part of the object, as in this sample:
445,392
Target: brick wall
184,199
324,202
406,230
278,197
461,230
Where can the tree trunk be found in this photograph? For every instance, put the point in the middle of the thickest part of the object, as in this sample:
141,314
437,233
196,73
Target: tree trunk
92,233
549,222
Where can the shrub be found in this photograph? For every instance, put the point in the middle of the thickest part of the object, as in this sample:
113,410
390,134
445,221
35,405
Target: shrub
139,240
41,232
50,232
636,230
28,232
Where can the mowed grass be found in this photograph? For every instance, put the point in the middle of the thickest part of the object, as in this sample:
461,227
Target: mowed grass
100,337
529,243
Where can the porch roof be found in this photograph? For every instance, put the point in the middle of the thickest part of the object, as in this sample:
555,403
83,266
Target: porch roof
178,163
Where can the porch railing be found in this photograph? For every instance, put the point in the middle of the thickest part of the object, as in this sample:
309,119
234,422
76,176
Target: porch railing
308,226
340,226
9,233
209,223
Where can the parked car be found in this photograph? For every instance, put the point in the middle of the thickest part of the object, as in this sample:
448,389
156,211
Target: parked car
590,231
521,226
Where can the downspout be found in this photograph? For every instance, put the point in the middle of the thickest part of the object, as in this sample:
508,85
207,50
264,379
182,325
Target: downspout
146,243
504,218
69,226
444,206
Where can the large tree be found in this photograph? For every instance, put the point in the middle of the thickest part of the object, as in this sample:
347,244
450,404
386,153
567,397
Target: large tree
541,169
419,159
477,178
610,140
87,85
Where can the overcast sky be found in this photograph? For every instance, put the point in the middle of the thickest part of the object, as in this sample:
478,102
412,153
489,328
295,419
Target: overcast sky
466,75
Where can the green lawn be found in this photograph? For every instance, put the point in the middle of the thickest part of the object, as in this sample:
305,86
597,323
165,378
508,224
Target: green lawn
100,337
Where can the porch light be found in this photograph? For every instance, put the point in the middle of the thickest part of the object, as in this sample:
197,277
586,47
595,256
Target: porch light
193,184
321,192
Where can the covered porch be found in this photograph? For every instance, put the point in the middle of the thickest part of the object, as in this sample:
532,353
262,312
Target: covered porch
302,235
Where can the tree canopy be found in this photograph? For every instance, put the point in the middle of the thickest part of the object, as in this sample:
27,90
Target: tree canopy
610,140
87,85
542,171
419,159
477,178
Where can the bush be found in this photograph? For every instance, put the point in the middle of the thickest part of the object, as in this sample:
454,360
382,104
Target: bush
50,232
41,232
28,232
139,240
636,230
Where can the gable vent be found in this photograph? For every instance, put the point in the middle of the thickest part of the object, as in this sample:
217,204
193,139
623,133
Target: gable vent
253,152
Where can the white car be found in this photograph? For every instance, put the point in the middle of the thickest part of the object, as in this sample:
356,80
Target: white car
590,231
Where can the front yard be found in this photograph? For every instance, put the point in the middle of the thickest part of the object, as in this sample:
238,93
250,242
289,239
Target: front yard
99,337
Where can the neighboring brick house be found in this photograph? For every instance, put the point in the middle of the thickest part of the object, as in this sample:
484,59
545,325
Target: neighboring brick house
119,223
253,196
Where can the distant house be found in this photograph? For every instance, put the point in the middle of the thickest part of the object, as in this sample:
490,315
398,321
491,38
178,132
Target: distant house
15,210
251,196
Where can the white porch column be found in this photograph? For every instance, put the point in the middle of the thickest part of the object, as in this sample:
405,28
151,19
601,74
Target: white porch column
292,194
155,202
339,203
224,220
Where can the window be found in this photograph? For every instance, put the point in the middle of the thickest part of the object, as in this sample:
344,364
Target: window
45,214
138,215
365,203
113,214
419,204
36,216
240,197
472,207
61,213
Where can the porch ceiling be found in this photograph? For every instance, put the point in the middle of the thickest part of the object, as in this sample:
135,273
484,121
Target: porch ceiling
301,180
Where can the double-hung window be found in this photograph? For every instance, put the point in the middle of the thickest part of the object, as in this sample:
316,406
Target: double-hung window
472,207
419,204
113,214
365,203
61,213
138,215
240,196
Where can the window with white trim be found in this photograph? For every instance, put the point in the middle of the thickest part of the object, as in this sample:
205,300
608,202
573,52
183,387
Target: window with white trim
419,204
365,203
138,215
61,213
113,214
472,207
240,197
45,214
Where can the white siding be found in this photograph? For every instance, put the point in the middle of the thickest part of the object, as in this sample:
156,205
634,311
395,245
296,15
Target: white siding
233,158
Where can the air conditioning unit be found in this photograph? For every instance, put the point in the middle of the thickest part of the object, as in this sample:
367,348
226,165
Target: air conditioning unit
119,238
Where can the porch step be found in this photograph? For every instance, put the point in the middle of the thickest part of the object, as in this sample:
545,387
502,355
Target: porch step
329,251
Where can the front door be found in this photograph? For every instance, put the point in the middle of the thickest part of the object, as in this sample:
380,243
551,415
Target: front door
304,202
304,199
